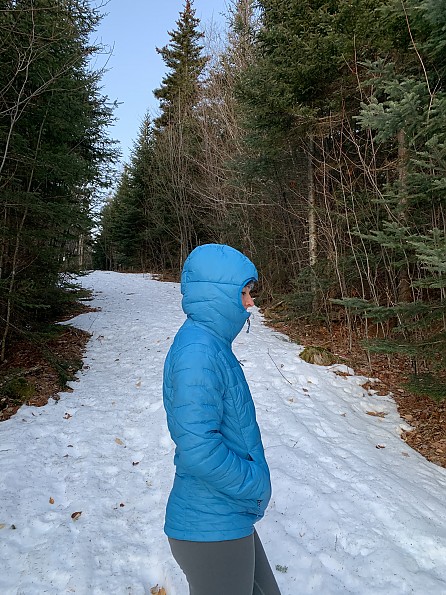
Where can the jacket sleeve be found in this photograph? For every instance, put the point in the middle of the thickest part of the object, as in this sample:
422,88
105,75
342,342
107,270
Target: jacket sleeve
197,408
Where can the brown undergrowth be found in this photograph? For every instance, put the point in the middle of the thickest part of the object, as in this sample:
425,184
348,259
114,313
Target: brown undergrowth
426,417
43,367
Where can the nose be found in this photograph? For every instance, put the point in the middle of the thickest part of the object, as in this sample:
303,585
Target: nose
247,301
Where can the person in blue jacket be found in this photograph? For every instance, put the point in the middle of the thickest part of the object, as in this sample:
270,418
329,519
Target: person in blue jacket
222,481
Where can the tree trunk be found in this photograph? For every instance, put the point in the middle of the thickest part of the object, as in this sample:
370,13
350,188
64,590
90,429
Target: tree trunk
312,233
11,287
404,286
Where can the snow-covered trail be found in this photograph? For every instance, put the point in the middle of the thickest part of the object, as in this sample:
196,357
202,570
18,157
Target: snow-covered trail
354,509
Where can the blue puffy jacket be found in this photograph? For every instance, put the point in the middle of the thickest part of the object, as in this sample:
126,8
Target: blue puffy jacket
222,484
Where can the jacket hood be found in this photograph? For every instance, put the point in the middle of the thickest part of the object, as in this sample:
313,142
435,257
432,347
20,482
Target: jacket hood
211,283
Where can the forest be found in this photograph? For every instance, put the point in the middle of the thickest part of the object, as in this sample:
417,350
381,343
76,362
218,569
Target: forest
55,162
310,135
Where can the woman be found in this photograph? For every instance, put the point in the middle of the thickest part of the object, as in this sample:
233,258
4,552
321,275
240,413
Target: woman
222,484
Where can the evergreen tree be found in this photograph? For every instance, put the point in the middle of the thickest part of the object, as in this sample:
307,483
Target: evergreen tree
180,88
300,96
177,138
406,113
53,150
134,223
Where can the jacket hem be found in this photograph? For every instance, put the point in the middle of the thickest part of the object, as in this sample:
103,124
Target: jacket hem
204,536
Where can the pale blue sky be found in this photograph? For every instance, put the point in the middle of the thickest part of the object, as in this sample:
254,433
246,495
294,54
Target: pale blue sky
134,28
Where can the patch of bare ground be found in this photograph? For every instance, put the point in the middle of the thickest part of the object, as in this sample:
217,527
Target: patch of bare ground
46,367
166,276
426,417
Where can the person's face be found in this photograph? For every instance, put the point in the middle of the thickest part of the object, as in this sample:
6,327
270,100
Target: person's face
247,300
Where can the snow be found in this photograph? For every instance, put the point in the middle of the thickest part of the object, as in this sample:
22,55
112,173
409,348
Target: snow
354,509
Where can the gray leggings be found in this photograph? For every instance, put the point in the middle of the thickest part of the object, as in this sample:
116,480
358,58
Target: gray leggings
234,567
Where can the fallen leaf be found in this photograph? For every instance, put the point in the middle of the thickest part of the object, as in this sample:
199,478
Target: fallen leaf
380,446
135,463
281,568
76,515
67,416
51,500
158,590
377,413
138,384
2,525
119,441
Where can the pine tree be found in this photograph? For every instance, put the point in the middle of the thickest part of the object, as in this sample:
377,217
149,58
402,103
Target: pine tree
177,138
134,228
300,96
54,147
180,88
406,114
